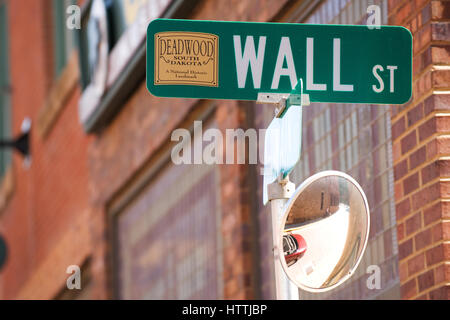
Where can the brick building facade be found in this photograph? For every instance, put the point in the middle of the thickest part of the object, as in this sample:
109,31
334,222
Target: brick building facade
103,194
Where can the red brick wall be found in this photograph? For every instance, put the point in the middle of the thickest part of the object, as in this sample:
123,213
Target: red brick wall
50,199
57,217
420,133
56,201
237,227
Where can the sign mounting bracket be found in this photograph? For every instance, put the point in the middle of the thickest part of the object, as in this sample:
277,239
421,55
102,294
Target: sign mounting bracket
284,100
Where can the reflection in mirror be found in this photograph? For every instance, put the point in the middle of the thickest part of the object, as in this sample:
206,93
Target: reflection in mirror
324,231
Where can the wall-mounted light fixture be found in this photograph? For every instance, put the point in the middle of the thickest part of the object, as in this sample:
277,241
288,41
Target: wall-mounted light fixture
22,142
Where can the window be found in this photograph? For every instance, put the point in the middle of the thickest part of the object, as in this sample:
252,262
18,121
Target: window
112,47
5,109
121,14
116,20
63,38
168,238
90,34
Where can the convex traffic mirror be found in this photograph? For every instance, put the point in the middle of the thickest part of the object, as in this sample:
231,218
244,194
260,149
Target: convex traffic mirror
324,231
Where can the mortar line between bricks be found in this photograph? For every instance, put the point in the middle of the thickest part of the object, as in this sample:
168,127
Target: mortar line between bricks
427,68
394,10
414,103
440,19
422,144
417,124
426,266
446,89
436,286
424,208
415,282
441,92
414,13
429,205
421,185
424,49
415,233
420,272
439,42
443,113
440,67
427,93
431,246
430,43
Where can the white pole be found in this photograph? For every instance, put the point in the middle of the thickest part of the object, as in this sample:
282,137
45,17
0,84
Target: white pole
279,193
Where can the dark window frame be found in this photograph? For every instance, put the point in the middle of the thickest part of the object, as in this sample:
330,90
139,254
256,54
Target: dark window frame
116,206
5,87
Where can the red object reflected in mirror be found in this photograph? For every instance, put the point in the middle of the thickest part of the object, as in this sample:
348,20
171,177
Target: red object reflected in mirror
294,246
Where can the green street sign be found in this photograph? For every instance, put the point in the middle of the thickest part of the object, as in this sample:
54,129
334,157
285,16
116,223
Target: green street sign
238,60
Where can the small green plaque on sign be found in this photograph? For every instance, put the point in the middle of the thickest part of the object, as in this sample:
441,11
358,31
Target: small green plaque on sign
237,60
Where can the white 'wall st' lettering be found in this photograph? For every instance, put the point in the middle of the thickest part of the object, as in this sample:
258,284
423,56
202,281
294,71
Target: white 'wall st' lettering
256,62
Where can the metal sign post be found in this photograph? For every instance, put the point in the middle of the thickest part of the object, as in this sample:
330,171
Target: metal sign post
281,153
279,192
